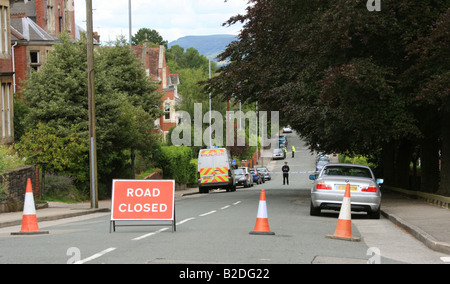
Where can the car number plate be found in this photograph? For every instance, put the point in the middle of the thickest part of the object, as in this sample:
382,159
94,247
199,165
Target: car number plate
343,187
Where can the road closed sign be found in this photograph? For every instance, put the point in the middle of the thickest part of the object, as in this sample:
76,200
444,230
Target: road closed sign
151,200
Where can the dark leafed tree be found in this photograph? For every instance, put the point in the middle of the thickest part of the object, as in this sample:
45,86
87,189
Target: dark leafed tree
336,72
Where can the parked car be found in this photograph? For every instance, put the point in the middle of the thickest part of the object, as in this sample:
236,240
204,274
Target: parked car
277,154
248,175
256,176
282,140
265,172
261,174
241,177
321,162
287,129
330,184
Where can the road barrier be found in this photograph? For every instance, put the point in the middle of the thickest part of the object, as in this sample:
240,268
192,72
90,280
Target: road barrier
143,200
262,221
29,218
344,225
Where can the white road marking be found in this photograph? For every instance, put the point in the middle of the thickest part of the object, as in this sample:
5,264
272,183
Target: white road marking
97,255
207,213
150,234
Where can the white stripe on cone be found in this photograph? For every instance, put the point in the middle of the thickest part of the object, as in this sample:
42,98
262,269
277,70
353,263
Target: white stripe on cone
29,208
345,213
262,210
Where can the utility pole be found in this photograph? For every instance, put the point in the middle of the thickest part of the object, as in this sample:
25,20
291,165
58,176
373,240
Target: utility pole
130,24
210,109
91,106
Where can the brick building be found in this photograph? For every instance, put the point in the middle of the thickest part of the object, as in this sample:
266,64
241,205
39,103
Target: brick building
6,75
35,26
154,62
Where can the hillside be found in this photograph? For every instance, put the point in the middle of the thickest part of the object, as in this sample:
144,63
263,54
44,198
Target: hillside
209,46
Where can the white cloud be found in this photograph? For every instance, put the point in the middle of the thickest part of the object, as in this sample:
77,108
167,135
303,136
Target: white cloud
171,18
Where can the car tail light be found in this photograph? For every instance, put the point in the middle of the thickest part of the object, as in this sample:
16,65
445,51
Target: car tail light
322,185
246,175
370,188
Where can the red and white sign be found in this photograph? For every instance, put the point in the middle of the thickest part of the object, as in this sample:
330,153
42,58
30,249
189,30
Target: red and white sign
143,200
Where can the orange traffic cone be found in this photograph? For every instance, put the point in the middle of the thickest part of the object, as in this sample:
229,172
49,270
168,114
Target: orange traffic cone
344,225
29,219
262,222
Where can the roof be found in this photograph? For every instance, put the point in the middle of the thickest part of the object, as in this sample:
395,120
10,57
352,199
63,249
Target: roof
25,29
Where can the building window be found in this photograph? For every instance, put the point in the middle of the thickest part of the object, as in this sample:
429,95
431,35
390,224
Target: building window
167,111
34,60
4,31
6,115
34,57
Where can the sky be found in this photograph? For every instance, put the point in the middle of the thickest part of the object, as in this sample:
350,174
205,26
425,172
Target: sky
173,19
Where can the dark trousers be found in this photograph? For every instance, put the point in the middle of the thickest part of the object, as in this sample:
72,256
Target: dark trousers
285,178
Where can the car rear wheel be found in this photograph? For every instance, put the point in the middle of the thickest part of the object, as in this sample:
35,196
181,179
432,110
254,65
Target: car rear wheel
375,214
314,211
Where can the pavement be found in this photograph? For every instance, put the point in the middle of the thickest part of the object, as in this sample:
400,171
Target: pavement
427,222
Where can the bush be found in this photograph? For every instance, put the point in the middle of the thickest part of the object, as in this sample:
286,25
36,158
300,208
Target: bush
9,159
67,154
61,188
193,178
175,163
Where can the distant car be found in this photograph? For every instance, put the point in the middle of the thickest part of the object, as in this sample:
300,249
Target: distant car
287,129
265,172
282,140
248,175
242,178
330,184
256,176
321,162
277,154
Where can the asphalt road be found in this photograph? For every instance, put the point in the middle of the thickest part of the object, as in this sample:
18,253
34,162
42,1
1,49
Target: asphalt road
214,228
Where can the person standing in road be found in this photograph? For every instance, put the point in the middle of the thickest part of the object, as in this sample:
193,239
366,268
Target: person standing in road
293,151
285,169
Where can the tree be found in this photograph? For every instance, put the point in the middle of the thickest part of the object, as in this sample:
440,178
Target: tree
430,77
336,71
148,34
57,98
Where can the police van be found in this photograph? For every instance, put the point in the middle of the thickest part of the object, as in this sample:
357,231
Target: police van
215,170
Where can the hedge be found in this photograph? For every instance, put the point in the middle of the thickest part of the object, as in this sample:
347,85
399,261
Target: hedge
176,164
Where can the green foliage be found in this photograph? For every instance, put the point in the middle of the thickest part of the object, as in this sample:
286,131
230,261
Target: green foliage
357,160
67,154
9,159
176,163
178,58
193,168
61,188
148,34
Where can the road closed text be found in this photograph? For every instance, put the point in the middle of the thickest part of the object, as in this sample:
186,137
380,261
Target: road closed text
146,207
142,200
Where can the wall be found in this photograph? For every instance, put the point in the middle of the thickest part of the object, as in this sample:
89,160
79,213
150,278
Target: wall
17,180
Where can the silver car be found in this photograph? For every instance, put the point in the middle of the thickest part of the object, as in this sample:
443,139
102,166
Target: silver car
265,172
330,184
277,154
